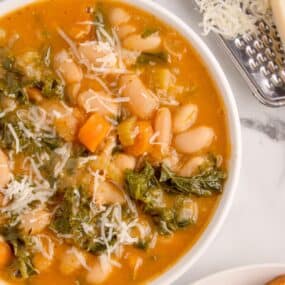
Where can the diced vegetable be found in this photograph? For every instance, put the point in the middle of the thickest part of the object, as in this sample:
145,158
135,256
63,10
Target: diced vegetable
93,131
34,95
163,78
148,57
142,140
126,131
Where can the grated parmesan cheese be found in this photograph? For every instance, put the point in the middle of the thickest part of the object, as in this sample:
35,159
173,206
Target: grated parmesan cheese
14,134
80,257
43,244
232,18
20,195
64,152
138,264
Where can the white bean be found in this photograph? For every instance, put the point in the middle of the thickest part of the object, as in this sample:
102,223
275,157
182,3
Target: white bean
40,262
191,166
92,101
69,263
184,118
107,193
66,66
138,43
35,221
124,161
67,126
142,102
162,126
98,54
125,30
4,170
194,140
72,91
118,16
98,274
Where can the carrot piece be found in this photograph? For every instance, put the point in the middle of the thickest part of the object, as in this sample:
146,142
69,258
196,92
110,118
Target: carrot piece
93,131
141,143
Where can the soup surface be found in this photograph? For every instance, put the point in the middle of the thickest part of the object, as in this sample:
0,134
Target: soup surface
113,145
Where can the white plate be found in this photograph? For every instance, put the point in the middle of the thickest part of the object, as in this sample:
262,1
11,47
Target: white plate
249,275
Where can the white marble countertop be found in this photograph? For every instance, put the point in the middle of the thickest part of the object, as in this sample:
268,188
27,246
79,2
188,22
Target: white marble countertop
253,231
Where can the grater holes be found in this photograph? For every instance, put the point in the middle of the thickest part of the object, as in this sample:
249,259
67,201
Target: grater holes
276,36
261,58
266,40
269,53
280,48
268,84
247,38
253,64
272,66
276,81
264,71
258,45
263,27
250,51
239,43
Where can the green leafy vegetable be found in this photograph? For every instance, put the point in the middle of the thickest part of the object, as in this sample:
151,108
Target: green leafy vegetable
22,248
210,179
150,185
11,78
50,87
40,142
203,184
100,20
73,217
148,57
148,32
14,80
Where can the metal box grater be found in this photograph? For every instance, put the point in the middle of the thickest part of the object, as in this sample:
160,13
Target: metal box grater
261,60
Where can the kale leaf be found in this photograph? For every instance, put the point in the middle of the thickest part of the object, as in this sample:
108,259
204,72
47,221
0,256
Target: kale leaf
146,58
22,265
70,218
209,180
14,82
150,185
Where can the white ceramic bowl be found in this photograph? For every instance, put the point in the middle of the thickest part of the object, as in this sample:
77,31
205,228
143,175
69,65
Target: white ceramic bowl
221,82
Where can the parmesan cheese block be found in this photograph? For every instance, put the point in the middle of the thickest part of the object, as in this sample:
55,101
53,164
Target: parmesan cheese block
278,9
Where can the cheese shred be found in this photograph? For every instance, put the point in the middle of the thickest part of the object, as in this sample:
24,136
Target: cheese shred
232,18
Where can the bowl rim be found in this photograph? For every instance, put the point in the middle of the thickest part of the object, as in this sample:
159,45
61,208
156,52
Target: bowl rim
240,269
178,268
